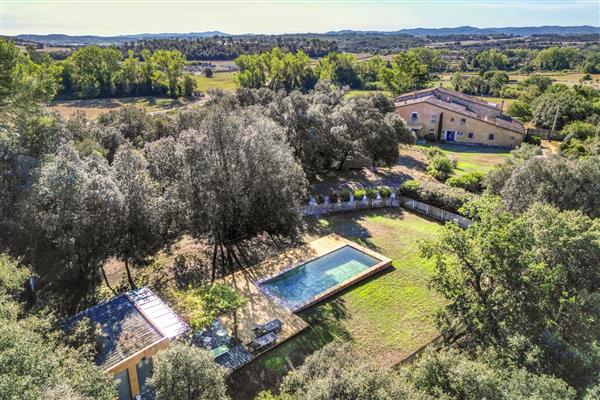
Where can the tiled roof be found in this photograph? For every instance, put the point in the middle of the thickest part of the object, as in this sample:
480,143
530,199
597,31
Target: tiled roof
502,121
439,91
130,322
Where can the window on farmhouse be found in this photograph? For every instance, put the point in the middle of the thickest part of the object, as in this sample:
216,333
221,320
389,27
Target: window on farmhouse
491,136
414,116
470,135
463,121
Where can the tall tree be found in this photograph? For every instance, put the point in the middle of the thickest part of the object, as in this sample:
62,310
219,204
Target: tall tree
405,73
524,285
94,70
73,204
340,69
169,65
138,227
35,365
239,178
24,86
276,70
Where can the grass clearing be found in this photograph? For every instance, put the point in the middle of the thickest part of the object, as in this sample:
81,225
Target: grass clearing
472,158
358,92
94,107
389,315
219,80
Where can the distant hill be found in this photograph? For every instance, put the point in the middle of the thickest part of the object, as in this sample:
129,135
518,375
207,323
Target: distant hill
471,30
59,39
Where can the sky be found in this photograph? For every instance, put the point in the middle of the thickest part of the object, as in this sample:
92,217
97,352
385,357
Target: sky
114,17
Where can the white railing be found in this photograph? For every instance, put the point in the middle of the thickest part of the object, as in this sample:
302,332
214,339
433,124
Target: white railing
313,209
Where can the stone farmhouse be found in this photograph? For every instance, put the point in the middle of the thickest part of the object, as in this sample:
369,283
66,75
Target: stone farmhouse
442,115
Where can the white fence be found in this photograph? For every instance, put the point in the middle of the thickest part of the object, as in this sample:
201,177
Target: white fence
434,212
314,209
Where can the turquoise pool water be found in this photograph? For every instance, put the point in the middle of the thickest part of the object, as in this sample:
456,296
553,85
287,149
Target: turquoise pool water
300,284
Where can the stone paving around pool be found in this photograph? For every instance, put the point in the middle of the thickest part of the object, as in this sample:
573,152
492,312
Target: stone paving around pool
260,308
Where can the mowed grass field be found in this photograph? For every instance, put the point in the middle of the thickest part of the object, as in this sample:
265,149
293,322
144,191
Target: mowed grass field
389,315
220,80
471,158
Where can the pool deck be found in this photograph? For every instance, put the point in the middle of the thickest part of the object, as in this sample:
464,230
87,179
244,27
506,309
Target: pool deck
260,308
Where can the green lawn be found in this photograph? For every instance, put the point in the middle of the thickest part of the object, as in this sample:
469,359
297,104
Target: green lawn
388,316
220,80
472,158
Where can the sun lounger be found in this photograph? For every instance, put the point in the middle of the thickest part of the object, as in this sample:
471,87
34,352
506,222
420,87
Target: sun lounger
271,326
262,342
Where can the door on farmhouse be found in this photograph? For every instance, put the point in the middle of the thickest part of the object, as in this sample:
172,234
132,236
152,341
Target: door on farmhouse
450,136
123,386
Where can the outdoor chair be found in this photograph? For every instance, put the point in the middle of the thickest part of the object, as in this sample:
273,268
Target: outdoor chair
263,342
271,326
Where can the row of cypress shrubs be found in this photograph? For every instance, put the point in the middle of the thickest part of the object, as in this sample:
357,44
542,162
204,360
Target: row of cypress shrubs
436,194
359,194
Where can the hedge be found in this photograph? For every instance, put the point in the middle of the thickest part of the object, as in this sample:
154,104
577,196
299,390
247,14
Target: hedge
471,182
436,194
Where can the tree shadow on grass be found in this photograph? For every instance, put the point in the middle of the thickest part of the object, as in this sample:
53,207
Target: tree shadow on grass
351,224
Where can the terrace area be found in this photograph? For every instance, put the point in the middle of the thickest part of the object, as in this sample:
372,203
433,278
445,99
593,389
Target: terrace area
261,307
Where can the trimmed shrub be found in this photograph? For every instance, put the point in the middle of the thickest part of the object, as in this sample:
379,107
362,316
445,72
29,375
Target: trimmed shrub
471,182
440,167
333,197
359,194
436,194
432,152
534,140
345,195
385,192
371,193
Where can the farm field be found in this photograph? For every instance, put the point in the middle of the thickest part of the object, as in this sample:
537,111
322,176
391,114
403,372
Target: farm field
389,315
220,80
94,107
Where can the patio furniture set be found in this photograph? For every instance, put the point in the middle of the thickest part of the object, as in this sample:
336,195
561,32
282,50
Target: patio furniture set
228,351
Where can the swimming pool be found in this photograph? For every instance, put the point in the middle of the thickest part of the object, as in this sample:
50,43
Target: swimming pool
303,284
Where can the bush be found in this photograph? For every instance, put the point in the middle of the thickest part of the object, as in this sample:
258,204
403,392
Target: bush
535,140
333,197
435,194
472,182
345,195
184,372
431,152
385,192
409,188
359,194
319,198
371,193
440,167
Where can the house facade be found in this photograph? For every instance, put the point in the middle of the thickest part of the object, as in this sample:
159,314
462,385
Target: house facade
135,326
443,115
